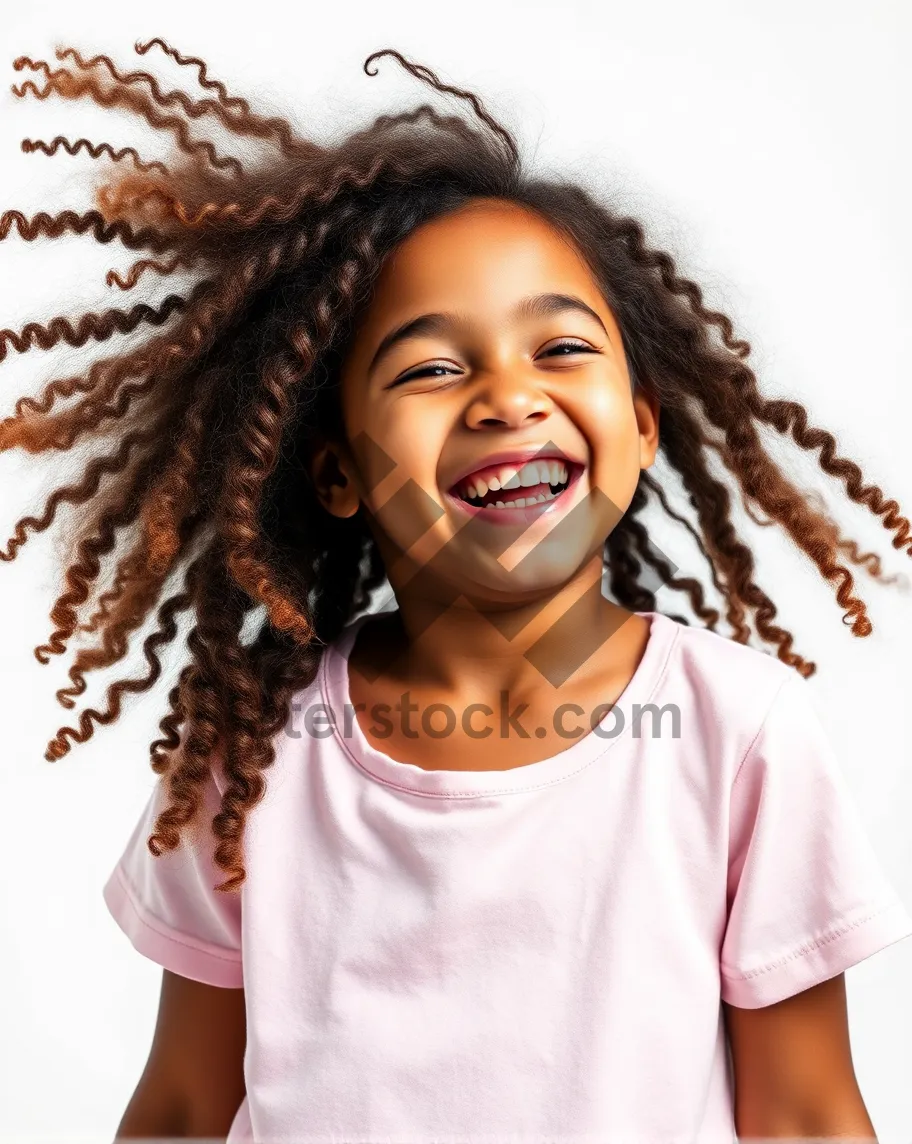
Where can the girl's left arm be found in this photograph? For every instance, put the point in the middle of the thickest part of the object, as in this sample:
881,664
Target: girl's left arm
793,1070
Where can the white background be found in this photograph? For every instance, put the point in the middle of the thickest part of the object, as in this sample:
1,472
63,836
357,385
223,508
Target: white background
765,145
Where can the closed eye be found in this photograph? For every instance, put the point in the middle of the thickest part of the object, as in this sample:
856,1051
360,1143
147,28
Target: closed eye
572,347
562,349
425,371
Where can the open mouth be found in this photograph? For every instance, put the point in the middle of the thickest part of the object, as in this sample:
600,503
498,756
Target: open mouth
506,487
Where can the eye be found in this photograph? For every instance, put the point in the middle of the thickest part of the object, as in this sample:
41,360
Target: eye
566,347
424,371
562,349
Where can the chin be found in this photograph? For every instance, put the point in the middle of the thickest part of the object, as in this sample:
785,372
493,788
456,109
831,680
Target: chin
535,574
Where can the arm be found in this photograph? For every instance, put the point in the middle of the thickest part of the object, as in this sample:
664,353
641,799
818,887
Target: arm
793,1067
193,1082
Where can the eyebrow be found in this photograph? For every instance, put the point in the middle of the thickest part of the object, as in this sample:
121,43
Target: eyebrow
535,306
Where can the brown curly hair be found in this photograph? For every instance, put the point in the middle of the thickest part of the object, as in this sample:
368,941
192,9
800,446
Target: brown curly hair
206,427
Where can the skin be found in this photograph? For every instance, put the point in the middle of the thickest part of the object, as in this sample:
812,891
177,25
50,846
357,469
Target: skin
793,1068
495,381
193,1081
467,612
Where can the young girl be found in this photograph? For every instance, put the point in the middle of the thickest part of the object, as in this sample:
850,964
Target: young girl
523,857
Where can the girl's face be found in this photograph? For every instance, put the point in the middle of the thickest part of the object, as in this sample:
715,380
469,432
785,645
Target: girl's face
487,344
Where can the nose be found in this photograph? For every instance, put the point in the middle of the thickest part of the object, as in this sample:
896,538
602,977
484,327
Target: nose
509,399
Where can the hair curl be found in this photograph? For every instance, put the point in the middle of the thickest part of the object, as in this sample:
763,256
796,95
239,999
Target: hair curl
213,417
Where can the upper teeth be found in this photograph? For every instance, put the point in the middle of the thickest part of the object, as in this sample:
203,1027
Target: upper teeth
511,477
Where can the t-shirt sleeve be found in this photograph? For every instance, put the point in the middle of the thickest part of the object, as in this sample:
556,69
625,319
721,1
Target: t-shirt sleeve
807,897
168,907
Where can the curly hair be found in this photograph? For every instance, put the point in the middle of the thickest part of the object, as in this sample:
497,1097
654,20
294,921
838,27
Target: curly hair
205,429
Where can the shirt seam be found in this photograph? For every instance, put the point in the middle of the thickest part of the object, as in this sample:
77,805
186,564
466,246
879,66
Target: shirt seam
763,722
809,947
162,930
324,691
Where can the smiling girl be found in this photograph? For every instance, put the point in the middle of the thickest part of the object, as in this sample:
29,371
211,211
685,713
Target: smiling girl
523,856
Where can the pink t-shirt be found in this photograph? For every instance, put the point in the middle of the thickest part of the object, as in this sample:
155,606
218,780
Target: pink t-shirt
536,953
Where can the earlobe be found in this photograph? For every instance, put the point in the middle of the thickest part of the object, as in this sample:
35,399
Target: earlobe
332,478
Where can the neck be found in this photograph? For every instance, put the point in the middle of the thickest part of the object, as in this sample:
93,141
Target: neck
516,647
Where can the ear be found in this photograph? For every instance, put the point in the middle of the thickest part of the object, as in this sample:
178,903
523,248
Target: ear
332,476
646,408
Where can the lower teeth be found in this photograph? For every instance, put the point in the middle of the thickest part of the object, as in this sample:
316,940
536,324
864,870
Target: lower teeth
523,502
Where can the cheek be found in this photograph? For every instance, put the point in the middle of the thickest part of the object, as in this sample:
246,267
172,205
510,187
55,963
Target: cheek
610,424
603,410
404,444
406,504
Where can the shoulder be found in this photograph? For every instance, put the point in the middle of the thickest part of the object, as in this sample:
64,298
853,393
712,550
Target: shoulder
727,688
722,662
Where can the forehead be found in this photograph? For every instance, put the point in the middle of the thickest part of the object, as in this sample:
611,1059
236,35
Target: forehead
477,259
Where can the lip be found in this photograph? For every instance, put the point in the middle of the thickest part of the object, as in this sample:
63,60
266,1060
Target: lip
516,457
529,513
